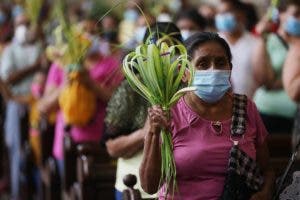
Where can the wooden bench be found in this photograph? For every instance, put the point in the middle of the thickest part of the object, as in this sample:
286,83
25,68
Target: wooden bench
280,147
50,179
89,171
130,193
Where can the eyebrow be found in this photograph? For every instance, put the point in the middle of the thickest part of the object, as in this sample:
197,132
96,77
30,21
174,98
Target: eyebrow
200,58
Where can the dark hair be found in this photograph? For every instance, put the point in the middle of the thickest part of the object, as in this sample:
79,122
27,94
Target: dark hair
194,16
236,5
200,38
251,16
110,36
160,29
284,4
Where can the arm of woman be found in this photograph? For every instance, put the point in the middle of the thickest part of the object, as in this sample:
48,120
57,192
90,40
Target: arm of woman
4,91
56,81
49,101
121,112
262,156
291,72
262,68
150,169
127,145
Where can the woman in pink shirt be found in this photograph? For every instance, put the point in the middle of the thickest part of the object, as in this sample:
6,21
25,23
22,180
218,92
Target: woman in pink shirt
103,76
200,124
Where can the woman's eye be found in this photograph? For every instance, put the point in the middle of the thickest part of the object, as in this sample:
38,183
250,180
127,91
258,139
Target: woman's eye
203,64
221,63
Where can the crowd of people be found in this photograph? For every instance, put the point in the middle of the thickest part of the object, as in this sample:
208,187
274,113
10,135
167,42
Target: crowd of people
237,54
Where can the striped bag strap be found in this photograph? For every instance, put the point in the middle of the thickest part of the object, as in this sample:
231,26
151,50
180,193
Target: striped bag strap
238,123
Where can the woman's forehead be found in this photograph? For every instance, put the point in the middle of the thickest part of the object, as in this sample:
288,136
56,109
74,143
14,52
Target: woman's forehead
209,49
225,7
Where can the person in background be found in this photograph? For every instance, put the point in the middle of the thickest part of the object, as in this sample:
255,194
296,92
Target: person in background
17,8
275,106
291,69
90,27
75,12
108,31
37,90
201,128
109,22
125,122
190,22
127,25
164,15
230,22
6,26
251,17
6,33
103,75
20,60
140,30
208,11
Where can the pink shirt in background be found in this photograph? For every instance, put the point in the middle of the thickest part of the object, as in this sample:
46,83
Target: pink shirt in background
106,72
201,156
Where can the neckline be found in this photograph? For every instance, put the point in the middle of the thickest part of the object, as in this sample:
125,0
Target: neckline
195,114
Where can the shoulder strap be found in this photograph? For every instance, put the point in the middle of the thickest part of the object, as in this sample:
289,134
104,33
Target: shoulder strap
283,42
238,122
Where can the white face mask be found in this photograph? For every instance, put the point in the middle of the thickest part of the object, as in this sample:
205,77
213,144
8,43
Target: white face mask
186,33
139,33
164,17
20,34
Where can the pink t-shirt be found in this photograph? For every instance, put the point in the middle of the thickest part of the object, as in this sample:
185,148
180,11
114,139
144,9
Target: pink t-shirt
106,72
201,156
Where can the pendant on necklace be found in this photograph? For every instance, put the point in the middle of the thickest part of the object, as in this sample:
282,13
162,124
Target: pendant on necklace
217,127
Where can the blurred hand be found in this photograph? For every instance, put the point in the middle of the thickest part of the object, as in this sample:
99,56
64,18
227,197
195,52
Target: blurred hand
41,63
44,62
264,25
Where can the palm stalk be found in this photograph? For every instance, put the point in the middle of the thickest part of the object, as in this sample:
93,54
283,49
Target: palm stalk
33,10
155,72
77,43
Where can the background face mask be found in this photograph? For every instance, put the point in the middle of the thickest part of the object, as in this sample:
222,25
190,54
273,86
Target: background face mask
139,33
186,33
2,17
225,22
164,17
211,85
20,34
292,26
131,15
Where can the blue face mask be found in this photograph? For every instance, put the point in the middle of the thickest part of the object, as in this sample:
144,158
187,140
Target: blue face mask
17,10
225,22
292,26
2,18
211,85
131,15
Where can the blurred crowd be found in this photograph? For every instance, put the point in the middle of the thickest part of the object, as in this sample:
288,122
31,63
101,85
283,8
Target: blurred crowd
33,73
